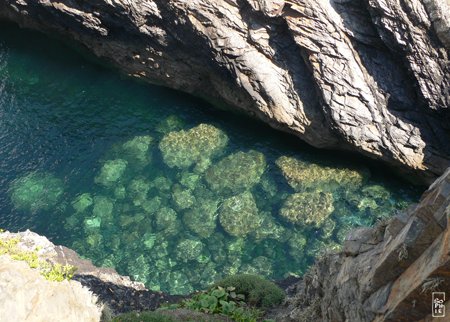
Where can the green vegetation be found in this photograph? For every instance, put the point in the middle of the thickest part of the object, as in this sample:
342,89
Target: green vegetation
226,301
50,272
257,290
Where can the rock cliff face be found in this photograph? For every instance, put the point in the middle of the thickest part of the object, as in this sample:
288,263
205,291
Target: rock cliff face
386,273
370,76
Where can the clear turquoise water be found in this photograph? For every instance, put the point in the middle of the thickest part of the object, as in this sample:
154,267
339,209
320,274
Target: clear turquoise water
156,210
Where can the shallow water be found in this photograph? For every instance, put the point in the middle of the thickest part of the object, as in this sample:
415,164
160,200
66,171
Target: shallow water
125,174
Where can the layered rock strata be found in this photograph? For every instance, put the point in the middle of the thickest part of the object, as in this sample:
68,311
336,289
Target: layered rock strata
385,273
370,76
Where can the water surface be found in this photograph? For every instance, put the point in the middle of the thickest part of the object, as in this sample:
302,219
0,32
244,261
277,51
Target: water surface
159,185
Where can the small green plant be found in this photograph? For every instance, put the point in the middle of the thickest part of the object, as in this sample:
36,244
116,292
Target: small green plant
258,291
226,301
50,272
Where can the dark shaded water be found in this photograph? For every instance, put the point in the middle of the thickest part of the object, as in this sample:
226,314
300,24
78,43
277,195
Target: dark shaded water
125,174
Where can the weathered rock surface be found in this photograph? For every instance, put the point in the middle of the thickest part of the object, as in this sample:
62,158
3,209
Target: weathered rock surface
117,292
26,296
386,273
365,75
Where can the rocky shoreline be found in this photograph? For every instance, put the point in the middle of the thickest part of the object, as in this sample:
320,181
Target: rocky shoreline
362,75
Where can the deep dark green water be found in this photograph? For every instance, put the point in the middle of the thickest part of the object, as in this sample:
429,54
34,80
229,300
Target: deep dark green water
125,174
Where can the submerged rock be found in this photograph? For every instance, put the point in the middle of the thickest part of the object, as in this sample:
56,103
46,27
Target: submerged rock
202,218
188,250
239,215
111,172
170,124
82,202
301,175
184,148
236,172
166,220
138,189
137,150
308,208
103,207
182,198
36,191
